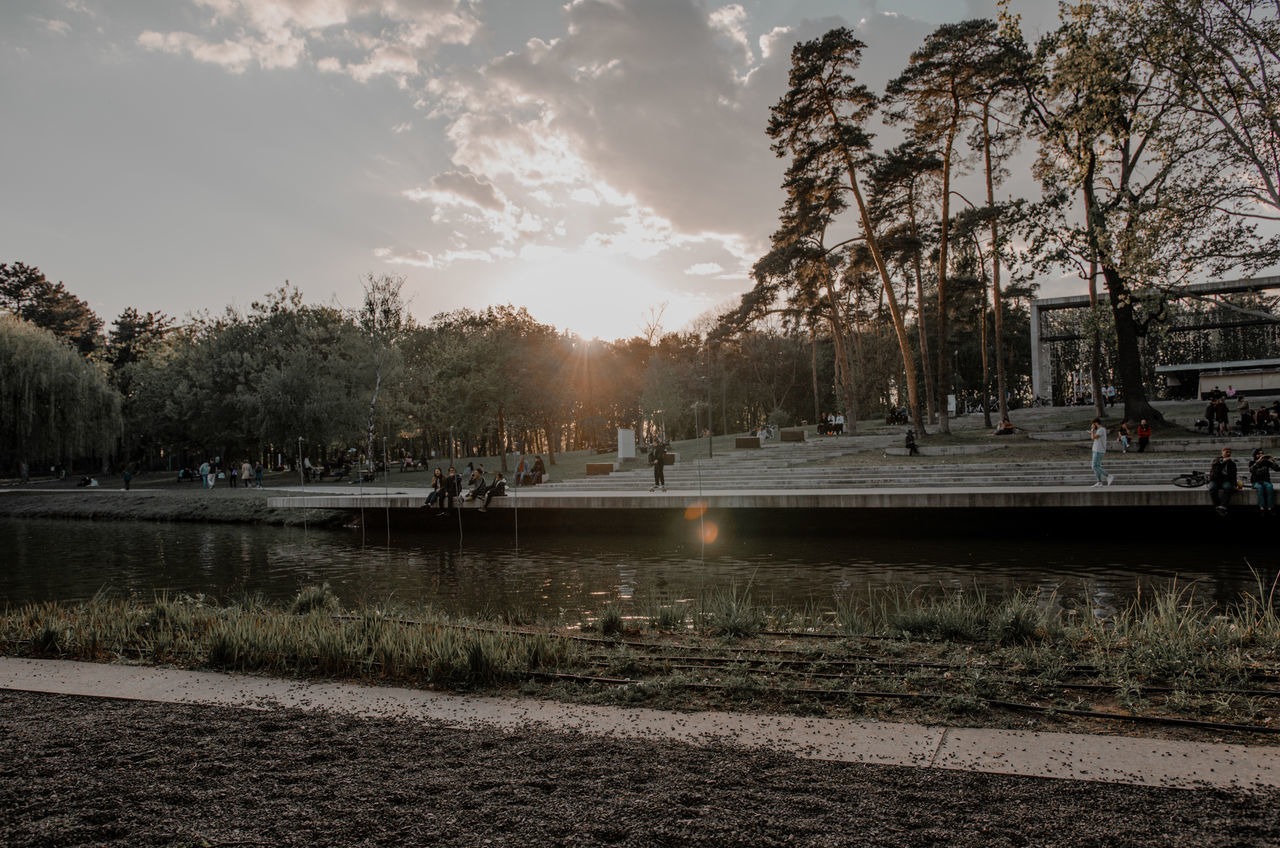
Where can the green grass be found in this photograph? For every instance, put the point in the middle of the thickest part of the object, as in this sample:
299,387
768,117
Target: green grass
936,655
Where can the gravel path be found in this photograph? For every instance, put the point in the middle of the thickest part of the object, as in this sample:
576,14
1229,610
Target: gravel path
80,771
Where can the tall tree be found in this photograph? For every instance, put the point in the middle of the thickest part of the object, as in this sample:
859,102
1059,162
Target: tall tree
942,91
382,317
27,293
821,124
1154,211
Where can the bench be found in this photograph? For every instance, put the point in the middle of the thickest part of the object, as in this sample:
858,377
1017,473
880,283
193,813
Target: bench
792,435
746,442
595,468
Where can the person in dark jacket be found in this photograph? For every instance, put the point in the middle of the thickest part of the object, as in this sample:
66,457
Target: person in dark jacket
1222,480
496,489
1260,468
452,488
658,457
437,488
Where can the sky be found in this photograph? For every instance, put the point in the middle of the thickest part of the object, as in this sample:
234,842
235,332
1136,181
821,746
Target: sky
600,162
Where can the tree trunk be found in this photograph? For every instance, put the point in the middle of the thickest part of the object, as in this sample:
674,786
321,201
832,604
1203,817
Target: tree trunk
551,443
873,243
924,339
1128,359
997,296
986,366
1095,343
502,442
813,365
836,319
899,325
944,234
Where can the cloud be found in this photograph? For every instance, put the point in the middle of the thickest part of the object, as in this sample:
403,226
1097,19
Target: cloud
54,26
389,37
704,269
467,188
234,56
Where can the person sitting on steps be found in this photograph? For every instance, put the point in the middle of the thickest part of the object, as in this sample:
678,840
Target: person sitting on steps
1222,481
496,489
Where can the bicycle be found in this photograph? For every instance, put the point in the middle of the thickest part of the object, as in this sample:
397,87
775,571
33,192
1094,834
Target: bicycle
1191,480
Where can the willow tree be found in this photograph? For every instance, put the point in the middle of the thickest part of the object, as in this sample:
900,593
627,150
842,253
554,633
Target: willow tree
58,405
820,123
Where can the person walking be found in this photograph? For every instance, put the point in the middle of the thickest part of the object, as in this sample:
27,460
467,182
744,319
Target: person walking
1222,481
1260,468
1098,434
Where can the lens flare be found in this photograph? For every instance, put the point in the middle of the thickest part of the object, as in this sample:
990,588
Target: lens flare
695,510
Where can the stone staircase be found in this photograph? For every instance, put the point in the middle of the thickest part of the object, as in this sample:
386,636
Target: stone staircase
803,466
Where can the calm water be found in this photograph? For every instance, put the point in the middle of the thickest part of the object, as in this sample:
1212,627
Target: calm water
60,560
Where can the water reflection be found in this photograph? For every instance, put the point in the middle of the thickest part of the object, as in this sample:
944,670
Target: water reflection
60,560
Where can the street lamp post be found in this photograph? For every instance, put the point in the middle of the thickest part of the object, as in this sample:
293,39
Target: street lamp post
301,474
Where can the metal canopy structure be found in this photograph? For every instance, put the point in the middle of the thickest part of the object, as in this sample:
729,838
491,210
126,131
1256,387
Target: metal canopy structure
1044,335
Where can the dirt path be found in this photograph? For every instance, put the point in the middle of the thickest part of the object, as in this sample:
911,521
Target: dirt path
78,771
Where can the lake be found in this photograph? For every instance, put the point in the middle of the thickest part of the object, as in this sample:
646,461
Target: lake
569,578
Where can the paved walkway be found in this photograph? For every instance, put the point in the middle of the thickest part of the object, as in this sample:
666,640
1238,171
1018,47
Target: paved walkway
1147,762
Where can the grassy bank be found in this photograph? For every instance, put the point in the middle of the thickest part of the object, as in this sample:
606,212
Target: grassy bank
1168,664
162,503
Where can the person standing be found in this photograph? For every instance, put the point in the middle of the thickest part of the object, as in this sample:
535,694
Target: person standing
204,474
1098,434
1260,468
658,456
1222,481
246,472
128,478
257,475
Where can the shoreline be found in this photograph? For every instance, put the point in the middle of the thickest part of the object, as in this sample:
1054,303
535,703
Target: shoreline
166,503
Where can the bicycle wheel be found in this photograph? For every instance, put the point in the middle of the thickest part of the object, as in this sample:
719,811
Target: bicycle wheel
1190,481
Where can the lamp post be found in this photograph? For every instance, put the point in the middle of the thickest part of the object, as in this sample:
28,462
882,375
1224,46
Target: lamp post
710,446
301,474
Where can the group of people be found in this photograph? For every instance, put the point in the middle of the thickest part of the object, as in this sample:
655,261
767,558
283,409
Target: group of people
831,424
454,490
245,475
1224,480
1263,421
1124,435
